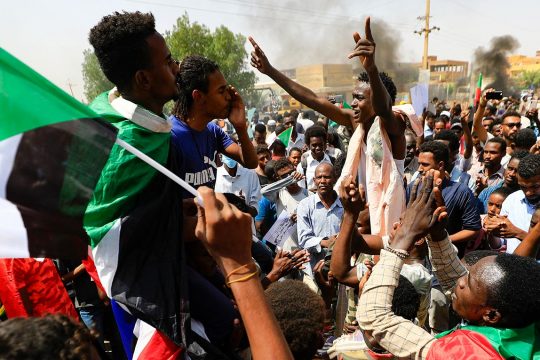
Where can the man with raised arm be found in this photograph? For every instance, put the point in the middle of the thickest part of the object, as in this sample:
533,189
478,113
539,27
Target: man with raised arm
377,148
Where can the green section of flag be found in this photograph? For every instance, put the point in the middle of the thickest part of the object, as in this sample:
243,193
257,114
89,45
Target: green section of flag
346,105
285,136
125,176
29,101
479,84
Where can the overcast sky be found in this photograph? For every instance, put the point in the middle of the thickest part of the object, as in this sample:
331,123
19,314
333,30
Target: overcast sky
50,36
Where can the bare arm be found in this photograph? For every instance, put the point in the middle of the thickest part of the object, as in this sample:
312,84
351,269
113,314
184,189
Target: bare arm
381,100
463,236
478,128
233,253
531,244
341,255
299,92
468,138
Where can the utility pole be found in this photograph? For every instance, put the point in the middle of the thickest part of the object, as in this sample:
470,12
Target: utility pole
426,31
70,87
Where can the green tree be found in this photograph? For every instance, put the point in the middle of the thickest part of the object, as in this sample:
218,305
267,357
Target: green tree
529,78
221,45
95,81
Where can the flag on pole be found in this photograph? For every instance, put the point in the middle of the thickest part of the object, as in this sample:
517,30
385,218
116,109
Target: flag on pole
52,151
478,93
285,136
346,105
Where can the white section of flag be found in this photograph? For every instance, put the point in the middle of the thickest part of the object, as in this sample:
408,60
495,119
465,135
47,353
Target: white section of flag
106,256
13,235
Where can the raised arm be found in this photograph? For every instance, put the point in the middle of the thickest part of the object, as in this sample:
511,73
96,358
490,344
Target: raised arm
380,98
478,128
353,202
299,92
226,233
531,243
468,138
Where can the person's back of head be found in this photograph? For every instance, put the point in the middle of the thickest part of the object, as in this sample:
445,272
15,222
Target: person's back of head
193,75
525,139
451,137
260,128
51,337
300,313
120,44
406,300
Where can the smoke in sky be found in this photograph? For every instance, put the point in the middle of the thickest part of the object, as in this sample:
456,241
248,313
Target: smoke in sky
492,61
320,33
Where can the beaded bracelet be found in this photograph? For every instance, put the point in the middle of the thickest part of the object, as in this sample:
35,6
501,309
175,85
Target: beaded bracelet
402,254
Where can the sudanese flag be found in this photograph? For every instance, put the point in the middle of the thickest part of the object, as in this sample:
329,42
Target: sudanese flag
52,151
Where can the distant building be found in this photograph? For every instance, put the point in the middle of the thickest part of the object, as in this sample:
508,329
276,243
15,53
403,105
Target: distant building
521,63
446,71
323,79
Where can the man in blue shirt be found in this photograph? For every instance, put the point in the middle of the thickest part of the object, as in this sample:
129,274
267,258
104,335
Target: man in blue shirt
319,215
204,96
463,217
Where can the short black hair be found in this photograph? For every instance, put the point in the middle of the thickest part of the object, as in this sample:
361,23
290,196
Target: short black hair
450,136
119,42
438,149
430,115
193,75
503,191
529,166
492,108
262,149
314,131
525,139
510,113
494,123
519,154
516,295
387,82
500,141
300,313
269,170
48,337
406,300
339,163
295,149
474,256
439,120
279,129
282,163
260,128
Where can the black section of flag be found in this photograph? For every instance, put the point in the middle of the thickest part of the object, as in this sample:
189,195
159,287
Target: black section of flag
55,171
151,278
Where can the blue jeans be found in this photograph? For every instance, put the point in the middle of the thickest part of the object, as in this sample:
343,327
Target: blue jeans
92,316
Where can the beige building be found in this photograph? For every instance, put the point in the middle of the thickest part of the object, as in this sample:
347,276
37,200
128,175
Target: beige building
521,63
446,71
323,79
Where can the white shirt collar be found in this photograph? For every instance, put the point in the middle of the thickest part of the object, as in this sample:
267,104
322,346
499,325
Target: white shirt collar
138,114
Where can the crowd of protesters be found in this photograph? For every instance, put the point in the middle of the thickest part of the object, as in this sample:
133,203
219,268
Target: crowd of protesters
411,235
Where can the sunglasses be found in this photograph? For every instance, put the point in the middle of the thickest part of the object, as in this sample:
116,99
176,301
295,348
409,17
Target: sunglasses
512,125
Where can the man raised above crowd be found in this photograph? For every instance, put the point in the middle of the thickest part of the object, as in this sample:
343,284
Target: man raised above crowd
204,95
377,146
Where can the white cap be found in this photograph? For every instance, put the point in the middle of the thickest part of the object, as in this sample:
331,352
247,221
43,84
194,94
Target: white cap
271,123
446,113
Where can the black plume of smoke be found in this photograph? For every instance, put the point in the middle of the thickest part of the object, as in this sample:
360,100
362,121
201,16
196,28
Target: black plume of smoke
313,38
492,62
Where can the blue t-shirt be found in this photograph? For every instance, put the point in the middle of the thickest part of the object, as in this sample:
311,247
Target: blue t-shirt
197,152
267,213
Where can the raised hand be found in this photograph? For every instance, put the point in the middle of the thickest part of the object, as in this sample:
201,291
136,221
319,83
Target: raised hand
353,198
237,115
258,59
425,213
365,48
227,230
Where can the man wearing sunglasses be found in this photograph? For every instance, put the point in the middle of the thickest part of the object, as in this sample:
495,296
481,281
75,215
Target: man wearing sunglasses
511,123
